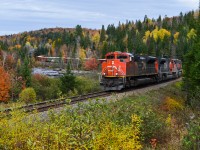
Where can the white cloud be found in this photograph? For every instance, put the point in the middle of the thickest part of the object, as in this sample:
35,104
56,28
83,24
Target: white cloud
190,3
20,15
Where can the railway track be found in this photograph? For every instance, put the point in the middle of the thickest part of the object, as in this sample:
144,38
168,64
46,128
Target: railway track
46,105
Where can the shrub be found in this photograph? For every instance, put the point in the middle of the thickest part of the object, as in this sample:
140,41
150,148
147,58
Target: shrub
112,136
45,88
192,139
68,83
153,126
178,84
86,85
91,64
173,105
27,95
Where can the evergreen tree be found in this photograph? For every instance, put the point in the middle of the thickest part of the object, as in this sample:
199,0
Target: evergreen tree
102,34
192,70
25,72
68,82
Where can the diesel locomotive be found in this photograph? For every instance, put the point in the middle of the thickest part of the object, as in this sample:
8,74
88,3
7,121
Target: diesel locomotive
122,69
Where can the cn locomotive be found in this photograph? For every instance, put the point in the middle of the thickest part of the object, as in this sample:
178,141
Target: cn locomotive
122,69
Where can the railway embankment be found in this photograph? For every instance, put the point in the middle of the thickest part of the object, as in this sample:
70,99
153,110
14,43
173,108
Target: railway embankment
145,118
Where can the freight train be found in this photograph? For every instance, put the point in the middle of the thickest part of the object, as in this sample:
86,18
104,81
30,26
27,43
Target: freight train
121,70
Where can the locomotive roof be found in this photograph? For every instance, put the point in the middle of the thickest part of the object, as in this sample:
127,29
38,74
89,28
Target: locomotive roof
119,52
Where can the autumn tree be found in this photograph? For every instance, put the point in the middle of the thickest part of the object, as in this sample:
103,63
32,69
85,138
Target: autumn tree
5,85
95,41
91,64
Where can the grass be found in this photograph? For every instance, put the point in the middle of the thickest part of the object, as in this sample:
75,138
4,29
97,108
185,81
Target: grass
154,120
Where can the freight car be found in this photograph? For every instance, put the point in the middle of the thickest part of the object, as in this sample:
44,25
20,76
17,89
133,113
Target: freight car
122,69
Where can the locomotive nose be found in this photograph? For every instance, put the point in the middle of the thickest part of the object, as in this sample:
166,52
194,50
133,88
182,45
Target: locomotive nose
111,68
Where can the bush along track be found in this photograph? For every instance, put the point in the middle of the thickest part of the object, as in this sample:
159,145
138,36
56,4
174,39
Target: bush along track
154,120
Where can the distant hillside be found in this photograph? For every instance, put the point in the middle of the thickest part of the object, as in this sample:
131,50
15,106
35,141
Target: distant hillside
158,37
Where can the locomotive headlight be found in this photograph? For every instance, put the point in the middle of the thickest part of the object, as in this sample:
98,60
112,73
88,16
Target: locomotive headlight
104,73
116,74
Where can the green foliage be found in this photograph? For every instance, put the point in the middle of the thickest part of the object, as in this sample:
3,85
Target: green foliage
25,72
68,82
73,128
27,95
86,85
192,69
192,139
179,85
46,88
124,37
102,34
130,123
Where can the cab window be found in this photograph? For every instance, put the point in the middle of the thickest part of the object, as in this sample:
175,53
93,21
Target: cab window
121,57
110,57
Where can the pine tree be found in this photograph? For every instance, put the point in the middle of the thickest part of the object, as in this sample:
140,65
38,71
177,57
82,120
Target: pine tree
192,70
26,72
68,81
102,34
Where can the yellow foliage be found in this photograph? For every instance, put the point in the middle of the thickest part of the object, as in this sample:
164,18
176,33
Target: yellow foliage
150,22
192,34
96,38
82,54
28,95
163,33
116,137
28,44
169,120
54,44
146,36
154,34
28,38
173,105
49,41
159,34
10,48
176,35
18,46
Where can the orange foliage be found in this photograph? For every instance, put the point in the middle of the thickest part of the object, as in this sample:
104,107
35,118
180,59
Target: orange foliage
5,85
18,46
91,64
39,77
153,143
10,62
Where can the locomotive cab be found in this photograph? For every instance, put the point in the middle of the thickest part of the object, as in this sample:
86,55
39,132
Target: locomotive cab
115,64
114,70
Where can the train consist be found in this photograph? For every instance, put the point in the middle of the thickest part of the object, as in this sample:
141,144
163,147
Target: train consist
122,69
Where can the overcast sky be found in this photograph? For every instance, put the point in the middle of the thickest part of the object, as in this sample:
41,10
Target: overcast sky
26,15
